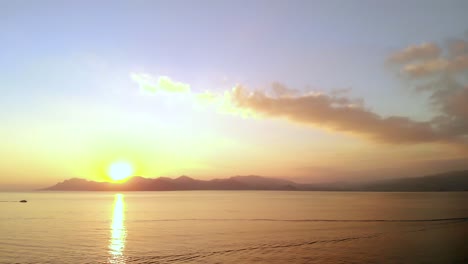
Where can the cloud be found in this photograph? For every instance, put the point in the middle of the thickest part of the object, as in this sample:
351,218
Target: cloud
459,63
338,113
444,80
150,84
416,52
436,66
280,90
334,111
420,69
458,47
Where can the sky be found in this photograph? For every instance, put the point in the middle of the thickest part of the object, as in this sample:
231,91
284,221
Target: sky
313,91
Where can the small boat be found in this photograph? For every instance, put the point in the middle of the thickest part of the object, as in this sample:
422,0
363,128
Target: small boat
23,201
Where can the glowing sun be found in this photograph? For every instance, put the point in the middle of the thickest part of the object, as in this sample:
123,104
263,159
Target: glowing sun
120,170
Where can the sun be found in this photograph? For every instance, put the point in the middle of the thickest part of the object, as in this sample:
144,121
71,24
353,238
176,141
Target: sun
120,170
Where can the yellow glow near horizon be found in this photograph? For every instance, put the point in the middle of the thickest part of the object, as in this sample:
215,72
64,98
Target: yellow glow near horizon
120,170
118,231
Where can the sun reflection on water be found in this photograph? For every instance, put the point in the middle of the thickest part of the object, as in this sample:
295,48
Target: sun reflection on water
118,231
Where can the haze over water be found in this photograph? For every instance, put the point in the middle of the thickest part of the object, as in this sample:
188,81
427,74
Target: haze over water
233,227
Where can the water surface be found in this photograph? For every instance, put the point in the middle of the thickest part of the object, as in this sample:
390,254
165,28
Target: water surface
233,227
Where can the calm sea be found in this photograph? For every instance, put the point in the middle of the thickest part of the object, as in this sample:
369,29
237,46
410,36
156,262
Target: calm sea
234,227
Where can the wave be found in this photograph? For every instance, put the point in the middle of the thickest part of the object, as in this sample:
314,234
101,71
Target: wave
198,255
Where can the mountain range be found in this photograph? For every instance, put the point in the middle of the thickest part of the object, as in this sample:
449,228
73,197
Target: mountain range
449,181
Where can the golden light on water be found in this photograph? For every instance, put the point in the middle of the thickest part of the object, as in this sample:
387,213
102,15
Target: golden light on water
118,231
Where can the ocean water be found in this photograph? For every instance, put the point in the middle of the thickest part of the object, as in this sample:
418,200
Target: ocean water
233,227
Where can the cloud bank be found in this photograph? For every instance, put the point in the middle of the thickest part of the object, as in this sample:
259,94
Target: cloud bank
338,113
429,68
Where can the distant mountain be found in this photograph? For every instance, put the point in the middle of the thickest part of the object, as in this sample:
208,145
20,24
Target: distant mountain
263,183
450,181
138,183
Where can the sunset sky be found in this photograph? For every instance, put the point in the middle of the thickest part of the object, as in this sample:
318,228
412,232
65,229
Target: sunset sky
312,91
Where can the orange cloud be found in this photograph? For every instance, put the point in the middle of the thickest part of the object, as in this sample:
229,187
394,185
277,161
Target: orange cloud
338,113
436,66
420,69
416,52
459,63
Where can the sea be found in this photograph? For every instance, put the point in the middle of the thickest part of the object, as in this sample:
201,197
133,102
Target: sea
234,227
